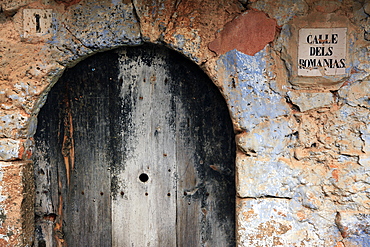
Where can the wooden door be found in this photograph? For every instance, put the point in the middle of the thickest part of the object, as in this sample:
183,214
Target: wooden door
135,147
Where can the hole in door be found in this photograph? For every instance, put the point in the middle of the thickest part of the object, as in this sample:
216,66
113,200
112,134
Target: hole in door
104,121
143,177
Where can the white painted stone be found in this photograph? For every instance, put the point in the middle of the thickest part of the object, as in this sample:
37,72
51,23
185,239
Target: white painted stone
9,149
36,22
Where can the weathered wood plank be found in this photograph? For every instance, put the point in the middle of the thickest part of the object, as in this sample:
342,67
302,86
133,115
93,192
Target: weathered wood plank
74,132
206,164
87,203
145,214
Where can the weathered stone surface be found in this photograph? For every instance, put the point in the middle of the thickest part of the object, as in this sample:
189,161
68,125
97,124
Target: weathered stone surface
308,101
68,2
354,227
265,177
356,94
365,156
249,33
19,96
22,76
327,133
13,124
269,139
16,204
311,197
154,17
327,6
281,222
96,33
283,10
367,8
356,10
366,25
246,89
11,6
194,23
20,149
9,149
316,161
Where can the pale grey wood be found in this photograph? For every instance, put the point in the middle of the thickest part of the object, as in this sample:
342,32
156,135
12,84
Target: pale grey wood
189,215
145,213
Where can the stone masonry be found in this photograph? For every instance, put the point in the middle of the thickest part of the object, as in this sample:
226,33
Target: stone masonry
303,159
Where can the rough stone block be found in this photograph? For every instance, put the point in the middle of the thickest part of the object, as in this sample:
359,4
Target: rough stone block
308,101
365,157
356,94
9,149
264,177
16,204
245,86
327,6
283,10
189,30
68,2
154,18
249,33
21,95
310,196
13,124
11,6
351,138
91,24
272,138
354,227
367,8
15,149
283,222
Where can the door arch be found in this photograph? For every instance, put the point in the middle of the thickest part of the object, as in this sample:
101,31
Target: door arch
135,147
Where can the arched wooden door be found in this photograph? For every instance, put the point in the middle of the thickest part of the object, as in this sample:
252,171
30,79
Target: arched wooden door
135,147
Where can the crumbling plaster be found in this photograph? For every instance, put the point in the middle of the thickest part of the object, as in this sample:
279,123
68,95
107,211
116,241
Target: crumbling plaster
303,166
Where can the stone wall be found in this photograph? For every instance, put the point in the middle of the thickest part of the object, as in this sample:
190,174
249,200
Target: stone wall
303,160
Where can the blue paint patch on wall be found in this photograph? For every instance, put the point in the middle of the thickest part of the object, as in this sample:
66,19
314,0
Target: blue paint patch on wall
247,91
360,241
95,27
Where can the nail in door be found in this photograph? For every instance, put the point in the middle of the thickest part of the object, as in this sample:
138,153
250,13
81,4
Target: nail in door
135,147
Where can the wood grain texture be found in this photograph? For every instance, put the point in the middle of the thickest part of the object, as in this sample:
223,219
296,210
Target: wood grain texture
135,147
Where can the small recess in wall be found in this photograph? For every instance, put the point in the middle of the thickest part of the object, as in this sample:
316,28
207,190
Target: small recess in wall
36,22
